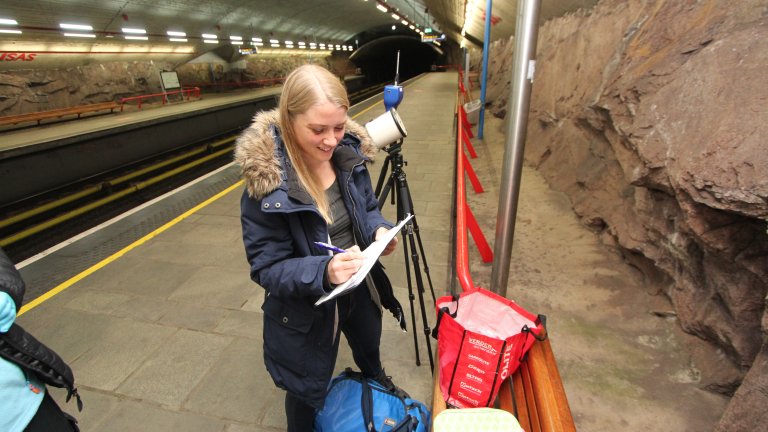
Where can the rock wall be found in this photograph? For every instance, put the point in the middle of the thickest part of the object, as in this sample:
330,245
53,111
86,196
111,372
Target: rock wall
24,91
33,90
652,116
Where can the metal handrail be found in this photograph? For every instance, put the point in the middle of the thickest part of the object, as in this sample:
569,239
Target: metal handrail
188,92
462,240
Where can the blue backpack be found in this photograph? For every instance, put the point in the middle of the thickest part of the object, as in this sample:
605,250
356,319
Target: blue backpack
355,403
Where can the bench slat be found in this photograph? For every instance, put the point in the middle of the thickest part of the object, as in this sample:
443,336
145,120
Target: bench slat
58,113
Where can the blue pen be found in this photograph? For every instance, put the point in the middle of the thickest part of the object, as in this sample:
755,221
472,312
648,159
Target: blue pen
329,247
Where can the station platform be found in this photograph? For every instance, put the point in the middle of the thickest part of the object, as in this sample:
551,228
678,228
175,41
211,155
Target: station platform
158,318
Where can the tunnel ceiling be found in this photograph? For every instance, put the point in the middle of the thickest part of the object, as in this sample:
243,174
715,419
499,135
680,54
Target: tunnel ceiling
321,21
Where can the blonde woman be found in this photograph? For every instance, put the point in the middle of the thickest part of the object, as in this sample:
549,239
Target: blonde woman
304,166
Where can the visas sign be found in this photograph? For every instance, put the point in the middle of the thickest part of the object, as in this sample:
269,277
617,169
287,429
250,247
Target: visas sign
431,38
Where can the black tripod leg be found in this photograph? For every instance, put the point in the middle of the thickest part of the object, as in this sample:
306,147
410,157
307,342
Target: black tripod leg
400,216
423,255
406,205
382,176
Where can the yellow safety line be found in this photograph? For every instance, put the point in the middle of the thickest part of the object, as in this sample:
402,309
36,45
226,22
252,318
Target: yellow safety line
125,250
61,287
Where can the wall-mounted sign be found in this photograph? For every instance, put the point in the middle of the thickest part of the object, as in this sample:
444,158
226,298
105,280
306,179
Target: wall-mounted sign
431,38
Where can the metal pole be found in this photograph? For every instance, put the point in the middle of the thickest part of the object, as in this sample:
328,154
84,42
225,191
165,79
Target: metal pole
466,69
486,46
524,64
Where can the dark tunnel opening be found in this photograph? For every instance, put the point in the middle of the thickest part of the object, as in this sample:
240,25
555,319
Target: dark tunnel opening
377,59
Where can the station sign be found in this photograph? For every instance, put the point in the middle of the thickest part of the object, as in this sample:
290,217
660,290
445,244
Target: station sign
431,38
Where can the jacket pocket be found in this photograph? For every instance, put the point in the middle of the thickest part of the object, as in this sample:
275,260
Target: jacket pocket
287,335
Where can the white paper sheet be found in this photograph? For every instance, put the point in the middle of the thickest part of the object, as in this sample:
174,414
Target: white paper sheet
370,255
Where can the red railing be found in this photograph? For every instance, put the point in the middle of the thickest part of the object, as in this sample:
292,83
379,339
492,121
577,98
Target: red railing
189,92
465,220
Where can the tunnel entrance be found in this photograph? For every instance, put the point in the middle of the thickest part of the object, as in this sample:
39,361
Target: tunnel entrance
377,59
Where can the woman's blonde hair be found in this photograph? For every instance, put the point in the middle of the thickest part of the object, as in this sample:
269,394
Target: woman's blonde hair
306,86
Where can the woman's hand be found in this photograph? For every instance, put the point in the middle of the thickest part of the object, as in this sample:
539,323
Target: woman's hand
391,246
343,265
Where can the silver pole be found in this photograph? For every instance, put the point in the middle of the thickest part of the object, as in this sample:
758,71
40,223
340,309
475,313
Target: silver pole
526,33
466,69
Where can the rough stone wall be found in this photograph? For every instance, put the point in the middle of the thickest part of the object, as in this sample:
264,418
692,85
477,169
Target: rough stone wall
33,90
651,115
24,91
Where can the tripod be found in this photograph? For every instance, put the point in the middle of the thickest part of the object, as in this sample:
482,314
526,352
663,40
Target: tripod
397,183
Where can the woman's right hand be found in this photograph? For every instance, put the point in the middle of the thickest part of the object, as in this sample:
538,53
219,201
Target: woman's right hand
343,265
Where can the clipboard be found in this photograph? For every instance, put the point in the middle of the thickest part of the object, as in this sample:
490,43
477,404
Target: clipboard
371,254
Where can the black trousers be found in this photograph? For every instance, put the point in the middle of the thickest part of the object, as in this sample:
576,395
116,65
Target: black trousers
360,321
50,418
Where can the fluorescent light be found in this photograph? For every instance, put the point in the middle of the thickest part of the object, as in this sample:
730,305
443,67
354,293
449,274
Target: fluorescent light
177,39
134,30
258,44
8,21
312,45
275,45
82,35
394,27
209,36
256,39
211,41
236,42
176,33
10,31
412,27
136,37
322,46
274,41
75,27
338,47
289,42
381,8
395,16
404,22
236,38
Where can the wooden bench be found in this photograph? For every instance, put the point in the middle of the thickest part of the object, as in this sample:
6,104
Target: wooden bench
534,394
58,113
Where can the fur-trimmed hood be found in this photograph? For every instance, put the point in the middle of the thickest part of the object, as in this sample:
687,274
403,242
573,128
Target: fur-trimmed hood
260,152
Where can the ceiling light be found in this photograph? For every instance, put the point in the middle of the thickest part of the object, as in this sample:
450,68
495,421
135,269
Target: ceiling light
177,39
134,30
236,38
381,7
176,33
395,16
236,42
258,44
275,45
412,27
136,37
404,22
338,47
256,39
75,27
8,21
211,41
10,31
83,35
289,42
322,46
274,41
209,36
394,27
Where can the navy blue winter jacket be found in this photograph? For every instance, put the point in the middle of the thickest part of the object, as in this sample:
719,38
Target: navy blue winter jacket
280,223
